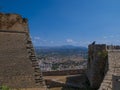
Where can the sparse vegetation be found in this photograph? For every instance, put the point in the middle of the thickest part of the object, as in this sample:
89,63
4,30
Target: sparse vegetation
3,87
102,54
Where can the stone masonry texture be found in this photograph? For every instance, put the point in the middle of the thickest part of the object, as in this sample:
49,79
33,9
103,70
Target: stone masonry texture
114,69
103,69
96,67
18,63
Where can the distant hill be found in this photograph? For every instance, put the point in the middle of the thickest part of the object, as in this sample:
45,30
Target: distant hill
56,48
60,50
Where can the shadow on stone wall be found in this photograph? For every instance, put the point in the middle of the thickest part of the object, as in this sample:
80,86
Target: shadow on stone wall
77,82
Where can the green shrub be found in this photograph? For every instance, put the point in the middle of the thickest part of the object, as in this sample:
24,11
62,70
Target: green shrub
3,87
103,54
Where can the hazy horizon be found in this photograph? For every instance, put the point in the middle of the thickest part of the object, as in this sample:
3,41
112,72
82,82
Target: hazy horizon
59,46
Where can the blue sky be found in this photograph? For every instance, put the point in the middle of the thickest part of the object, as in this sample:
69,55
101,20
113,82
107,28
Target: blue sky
69,22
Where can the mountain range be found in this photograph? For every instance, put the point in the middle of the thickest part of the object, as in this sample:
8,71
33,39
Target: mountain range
60,50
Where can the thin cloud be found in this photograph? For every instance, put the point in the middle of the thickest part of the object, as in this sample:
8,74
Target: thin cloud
69,41
36,38
105,37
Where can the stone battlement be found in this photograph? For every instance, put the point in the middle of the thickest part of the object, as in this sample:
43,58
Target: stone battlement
13,22
104,66
112,47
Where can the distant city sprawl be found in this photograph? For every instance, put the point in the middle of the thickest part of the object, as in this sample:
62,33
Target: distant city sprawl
62,59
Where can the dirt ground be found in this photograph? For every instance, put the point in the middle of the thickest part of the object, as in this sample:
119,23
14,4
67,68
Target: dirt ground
56,78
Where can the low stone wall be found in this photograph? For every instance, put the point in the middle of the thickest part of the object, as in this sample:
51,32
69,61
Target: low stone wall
73,81
65,72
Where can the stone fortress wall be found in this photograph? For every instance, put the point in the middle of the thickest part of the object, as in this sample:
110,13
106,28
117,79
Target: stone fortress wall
96,67
111,80
104,67
18,64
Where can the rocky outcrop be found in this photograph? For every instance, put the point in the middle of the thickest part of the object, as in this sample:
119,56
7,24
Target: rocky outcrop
13,22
